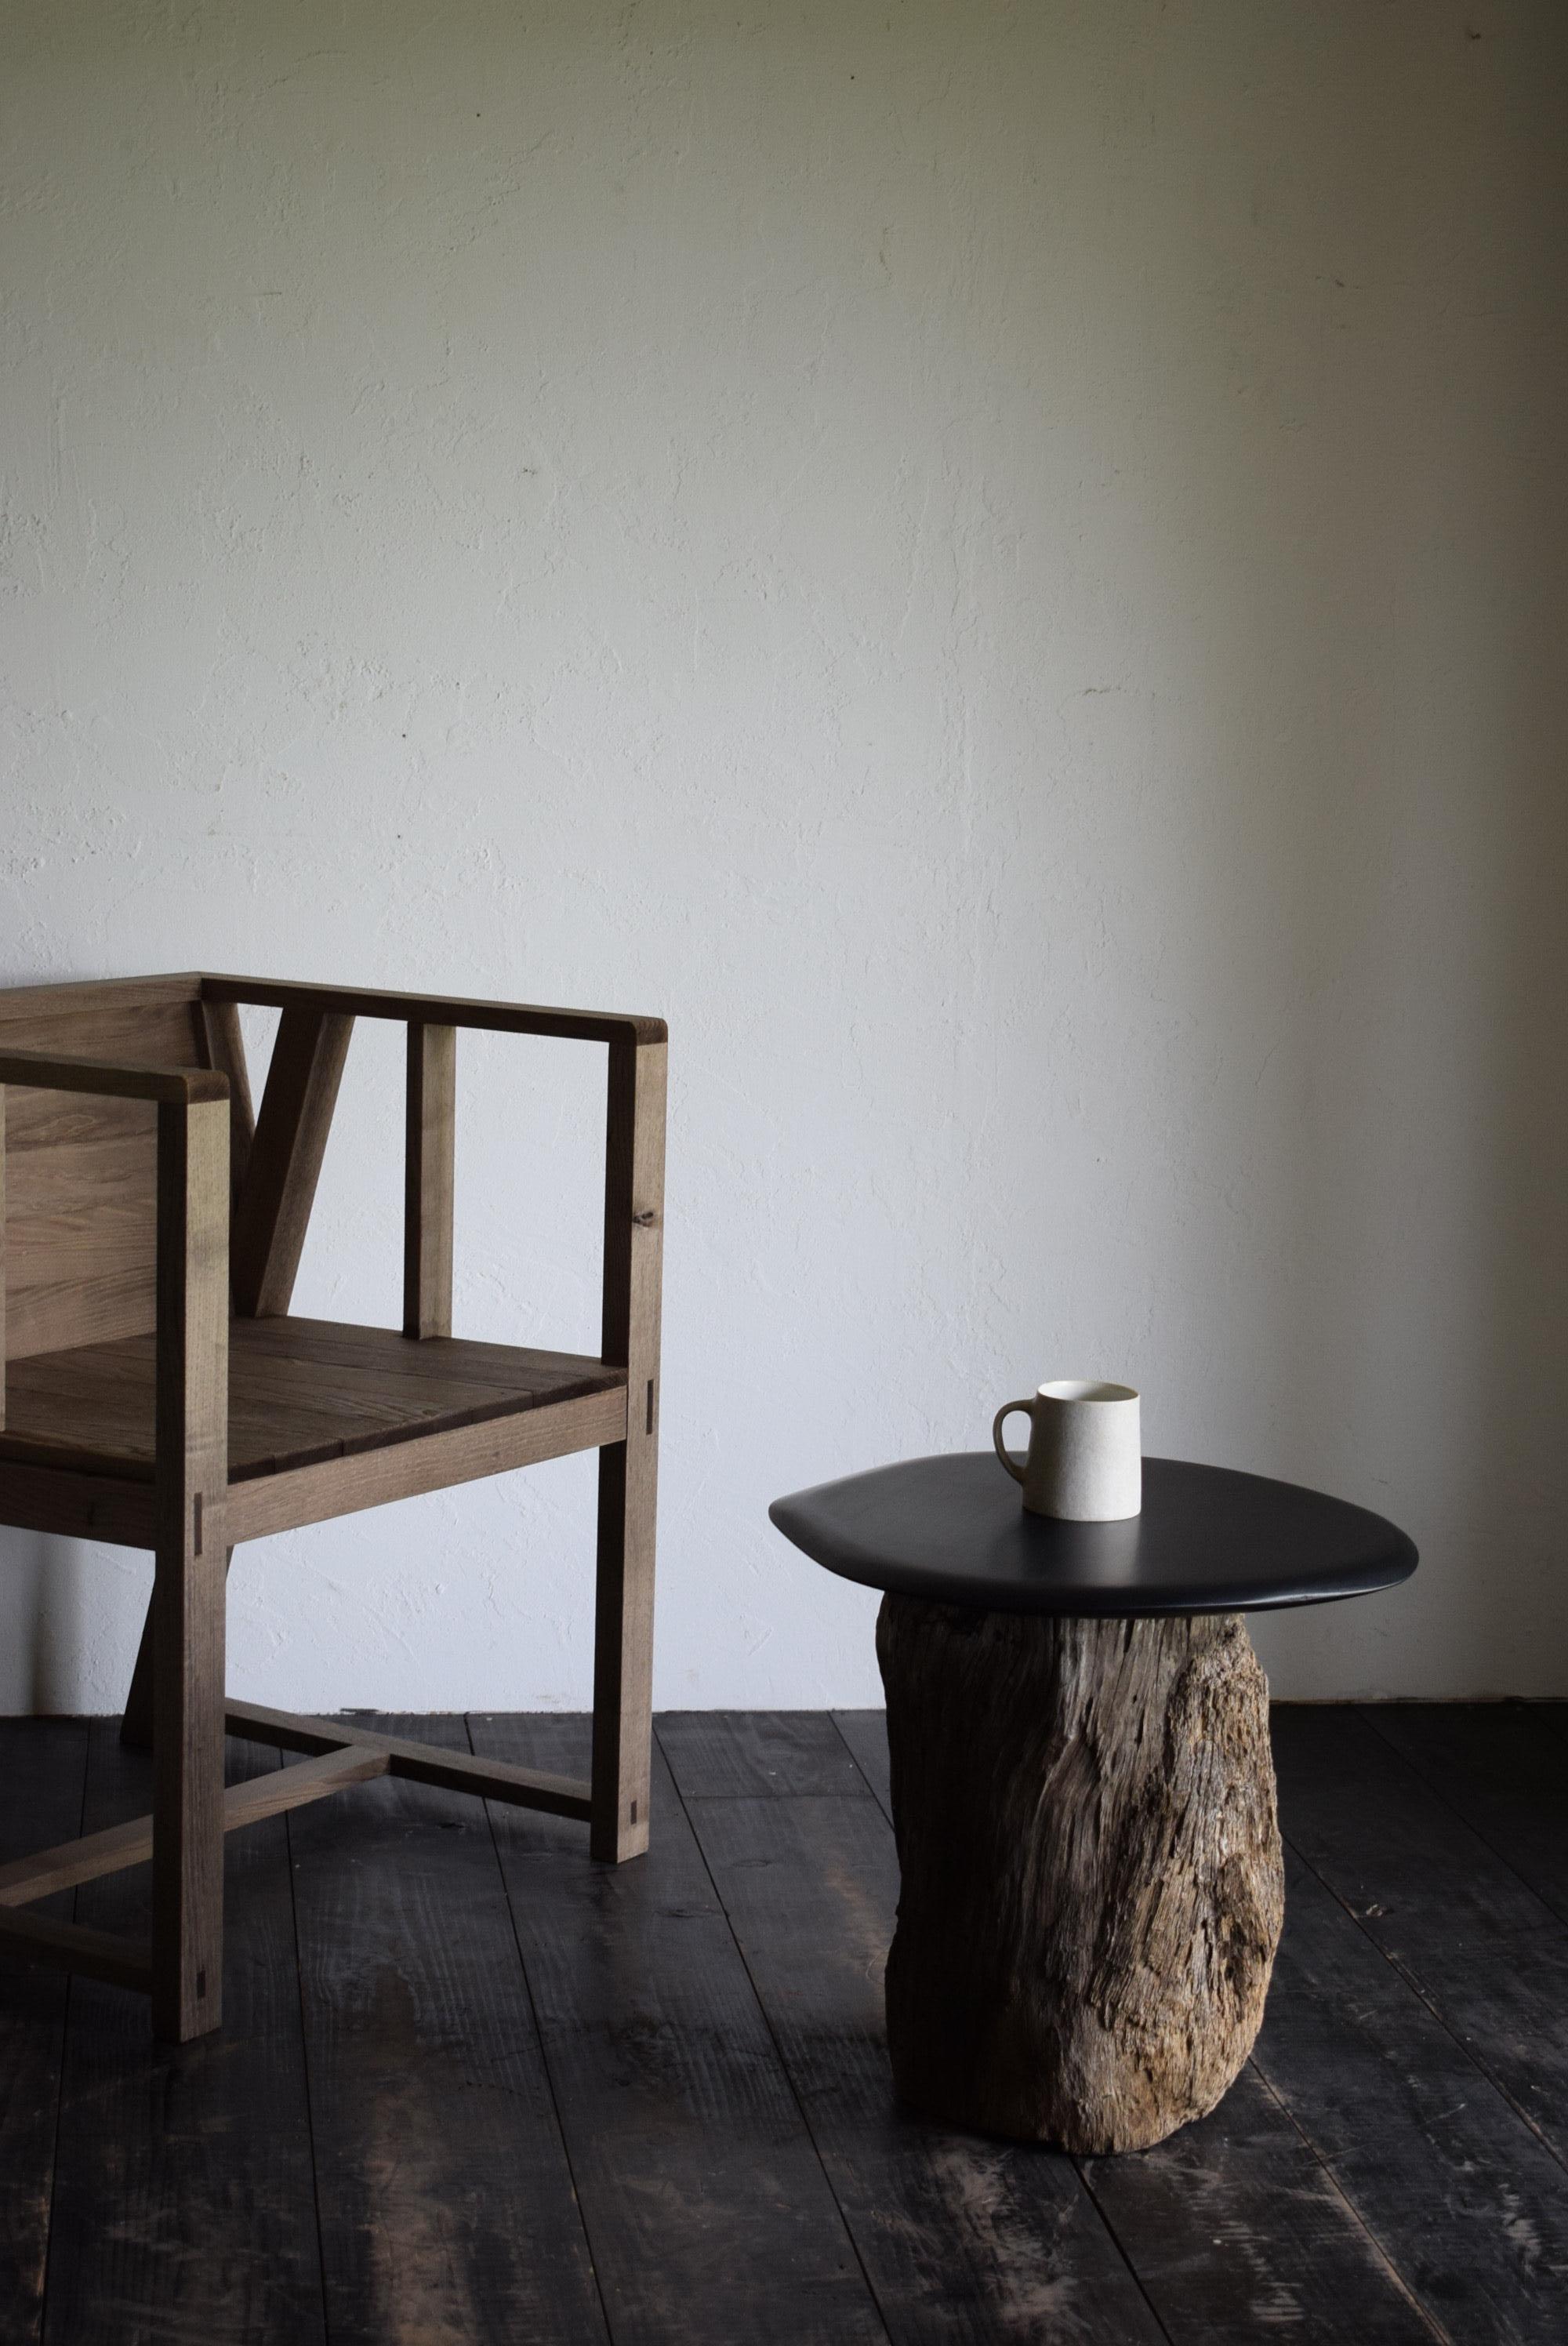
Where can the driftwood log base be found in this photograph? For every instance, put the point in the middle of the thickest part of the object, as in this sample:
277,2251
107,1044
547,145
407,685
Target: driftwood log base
1093,1888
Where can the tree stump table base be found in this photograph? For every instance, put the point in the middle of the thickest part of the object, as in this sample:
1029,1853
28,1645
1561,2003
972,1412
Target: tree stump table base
1093,1887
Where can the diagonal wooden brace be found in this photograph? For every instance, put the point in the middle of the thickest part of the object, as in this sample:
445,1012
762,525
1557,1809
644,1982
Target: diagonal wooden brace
423,1763
118,1846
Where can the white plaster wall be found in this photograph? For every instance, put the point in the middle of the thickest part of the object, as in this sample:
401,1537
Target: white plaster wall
1002,566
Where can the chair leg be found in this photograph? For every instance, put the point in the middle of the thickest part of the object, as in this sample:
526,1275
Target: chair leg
135,1727
628,1470
623,1653
187,1792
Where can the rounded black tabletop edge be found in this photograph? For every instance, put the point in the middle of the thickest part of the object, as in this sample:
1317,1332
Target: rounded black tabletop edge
1384,1556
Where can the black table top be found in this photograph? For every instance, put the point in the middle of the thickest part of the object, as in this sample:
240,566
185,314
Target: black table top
1209,1540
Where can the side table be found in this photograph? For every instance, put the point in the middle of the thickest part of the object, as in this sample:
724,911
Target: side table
1083,1794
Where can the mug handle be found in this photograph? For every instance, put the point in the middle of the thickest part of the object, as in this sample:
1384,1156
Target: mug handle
998,1422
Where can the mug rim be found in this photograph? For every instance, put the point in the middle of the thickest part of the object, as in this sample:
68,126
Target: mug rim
1084,1389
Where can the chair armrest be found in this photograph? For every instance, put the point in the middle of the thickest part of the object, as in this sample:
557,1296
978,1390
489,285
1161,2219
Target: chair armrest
274,1203
182,1086
436,1010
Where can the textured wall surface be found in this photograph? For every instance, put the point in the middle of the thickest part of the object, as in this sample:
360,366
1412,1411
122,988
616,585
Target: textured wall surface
1001,565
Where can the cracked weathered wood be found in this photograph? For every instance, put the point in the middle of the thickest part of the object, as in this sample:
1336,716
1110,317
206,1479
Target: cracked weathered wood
1092,1882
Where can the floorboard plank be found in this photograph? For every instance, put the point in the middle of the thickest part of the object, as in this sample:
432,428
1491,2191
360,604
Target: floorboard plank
1470,2206
43,1766
1488,1956
865,1732
448,2215
1236,2233
1503,1766
183,2200
963,2239
710,2218
768,1753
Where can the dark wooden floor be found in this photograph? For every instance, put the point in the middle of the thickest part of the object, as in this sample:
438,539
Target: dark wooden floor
474,2087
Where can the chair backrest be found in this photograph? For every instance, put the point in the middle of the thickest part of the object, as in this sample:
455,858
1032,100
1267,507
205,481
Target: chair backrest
81,1173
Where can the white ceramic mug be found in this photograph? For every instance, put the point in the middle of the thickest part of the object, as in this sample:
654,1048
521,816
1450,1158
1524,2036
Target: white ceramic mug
1085,1454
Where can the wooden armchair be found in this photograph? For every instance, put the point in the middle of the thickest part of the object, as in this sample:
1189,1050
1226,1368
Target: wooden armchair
157,1394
